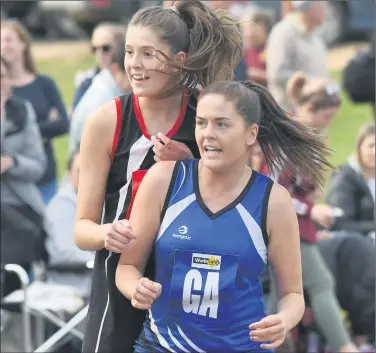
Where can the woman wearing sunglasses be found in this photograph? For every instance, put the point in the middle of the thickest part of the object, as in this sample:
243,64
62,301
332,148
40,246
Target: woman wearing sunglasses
102,46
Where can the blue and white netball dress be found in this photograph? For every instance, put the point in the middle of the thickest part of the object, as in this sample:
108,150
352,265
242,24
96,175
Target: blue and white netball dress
209,266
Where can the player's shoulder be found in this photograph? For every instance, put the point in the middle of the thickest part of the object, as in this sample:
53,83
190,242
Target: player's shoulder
280,201
102,122
157,179
160,174
104,114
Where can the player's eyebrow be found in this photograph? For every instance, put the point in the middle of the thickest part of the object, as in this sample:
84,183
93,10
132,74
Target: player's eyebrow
216,119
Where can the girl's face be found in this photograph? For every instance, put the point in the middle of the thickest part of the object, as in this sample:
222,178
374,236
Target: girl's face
319,119
146,67
223,137
367,152
12,47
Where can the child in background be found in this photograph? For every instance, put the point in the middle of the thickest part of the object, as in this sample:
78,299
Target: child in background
256,28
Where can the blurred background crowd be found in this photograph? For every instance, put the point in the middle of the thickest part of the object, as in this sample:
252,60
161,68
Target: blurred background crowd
50,87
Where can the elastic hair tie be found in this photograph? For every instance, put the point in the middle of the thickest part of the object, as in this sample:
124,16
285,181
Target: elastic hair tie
173,8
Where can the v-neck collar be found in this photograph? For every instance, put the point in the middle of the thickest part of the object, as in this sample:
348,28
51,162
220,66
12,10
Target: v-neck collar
174,129
209,213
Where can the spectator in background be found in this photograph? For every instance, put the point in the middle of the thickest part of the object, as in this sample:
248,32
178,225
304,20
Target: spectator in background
293,46
316,101
240,72
41,91
108,84
169,3
351,260
353,188
59,224
102,45
286,7
349,255
256,28
239,7
22,157
23,162
359,76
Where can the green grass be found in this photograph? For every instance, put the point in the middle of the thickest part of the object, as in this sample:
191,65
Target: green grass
342,133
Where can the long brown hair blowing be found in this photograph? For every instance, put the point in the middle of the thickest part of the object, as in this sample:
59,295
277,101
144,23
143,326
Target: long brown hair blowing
283,141
212,40
24,37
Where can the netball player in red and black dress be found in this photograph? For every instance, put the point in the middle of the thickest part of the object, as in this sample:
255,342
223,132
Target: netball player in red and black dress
169,51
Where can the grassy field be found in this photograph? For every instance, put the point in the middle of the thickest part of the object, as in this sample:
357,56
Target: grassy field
342,133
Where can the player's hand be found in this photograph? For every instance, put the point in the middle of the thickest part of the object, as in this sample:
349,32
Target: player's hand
166,149
118,236
146,292
270,329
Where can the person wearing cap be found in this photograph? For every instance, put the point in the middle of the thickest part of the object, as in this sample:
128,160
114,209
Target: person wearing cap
294,46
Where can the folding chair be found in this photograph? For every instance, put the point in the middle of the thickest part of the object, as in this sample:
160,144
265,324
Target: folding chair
26,319
65,330
47,303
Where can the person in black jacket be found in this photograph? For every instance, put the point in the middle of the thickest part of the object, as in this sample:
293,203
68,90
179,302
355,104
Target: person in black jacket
351,260
359,76
353,188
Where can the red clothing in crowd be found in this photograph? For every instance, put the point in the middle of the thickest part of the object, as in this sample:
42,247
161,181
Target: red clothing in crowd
299,190
255,58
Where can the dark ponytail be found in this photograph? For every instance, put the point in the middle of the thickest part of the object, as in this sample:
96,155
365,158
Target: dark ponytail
283,141
212,40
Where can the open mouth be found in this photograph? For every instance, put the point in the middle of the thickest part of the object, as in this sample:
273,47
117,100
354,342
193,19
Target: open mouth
140,78
212,150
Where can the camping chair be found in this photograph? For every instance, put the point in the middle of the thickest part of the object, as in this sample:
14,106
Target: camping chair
46,302
65,330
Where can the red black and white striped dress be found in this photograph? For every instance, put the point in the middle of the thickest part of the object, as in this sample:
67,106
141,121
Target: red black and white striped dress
112,323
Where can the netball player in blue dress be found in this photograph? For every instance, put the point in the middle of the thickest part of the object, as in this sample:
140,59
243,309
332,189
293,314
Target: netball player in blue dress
213,225
168,53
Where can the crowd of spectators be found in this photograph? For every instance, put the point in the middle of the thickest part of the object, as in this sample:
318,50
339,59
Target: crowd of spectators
337,234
